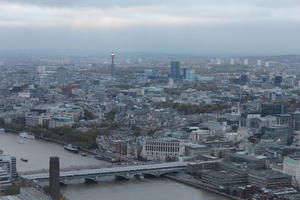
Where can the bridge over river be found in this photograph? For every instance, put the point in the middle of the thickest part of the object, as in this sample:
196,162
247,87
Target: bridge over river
124,172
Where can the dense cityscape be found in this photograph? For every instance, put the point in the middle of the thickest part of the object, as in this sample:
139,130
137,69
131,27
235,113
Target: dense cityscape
151,100
230,124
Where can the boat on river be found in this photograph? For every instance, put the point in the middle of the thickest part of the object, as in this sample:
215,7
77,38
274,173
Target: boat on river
24,160
26,135
70,147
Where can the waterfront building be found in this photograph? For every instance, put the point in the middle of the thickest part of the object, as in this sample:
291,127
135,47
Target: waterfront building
60,122
224,178
8,170
27,194
196,149
268,179
163,148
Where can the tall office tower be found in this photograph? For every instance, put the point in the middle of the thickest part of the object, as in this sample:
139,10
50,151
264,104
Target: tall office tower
62,75
267,64
184,72
54,178
296,121
175,70
246,61
190,75
244,78
259,62
231,61
112,66
278,80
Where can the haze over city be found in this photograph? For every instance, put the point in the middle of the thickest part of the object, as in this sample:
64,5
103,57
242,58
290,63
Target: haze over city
215,27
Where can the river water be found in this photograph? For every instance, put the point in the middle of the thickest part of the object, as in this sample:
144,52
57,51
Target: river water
38,152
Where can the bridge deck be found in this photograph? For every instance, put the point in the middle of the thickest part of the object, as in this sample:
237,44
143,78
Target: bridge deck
114,170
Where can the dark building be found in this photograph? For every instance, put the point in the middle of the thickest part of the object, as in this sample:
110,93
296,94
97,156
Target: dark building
271,109
282,132
184,72
175,70
54,178
224,178
268,179
296,121
278,80
264,79
243,120
244,78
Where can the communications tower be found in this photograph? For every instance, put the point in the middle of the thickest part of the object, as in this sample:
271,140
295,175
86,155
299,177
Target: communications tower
112,67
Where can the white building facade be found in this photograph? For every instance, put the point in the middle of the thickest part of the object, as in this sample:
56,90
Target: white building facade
162,149
291,166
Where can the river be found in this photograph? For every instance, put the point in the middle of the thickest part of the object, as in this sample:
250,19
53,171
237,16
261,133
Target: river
38,152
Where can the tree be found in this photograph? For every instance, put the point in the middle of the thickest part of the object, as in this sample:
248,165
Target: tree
110,116
88,115
12,190
170,159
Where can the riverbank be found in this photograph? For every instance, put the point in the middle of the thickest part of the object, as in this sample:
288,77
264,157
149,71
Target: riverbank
122,158
38,153
200,185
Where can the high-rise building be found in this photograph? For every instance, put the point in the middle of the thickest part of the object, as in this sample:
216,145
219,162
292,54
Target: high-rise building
258,62
112,66
267,64
175,70
54,178
190,75
278,80
246,61
8,169
244,78
62,76
231,61
296,121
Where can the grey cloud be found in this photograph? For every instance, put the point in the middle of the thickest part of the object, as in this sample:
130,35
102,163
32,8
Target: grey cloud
129,3
257,26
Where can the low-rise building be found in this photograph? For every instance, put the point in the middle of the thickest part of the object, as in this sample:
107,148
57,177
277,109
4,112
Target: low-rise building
291,166
268,179
56,122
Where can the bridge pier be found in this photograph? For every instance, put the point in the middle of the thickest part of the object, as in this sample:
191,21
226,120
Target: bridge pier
90,180
139,176
64,182
124,177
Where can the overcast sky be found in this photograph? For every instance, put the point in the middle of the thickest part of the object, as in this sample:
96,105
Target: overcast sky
167,26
